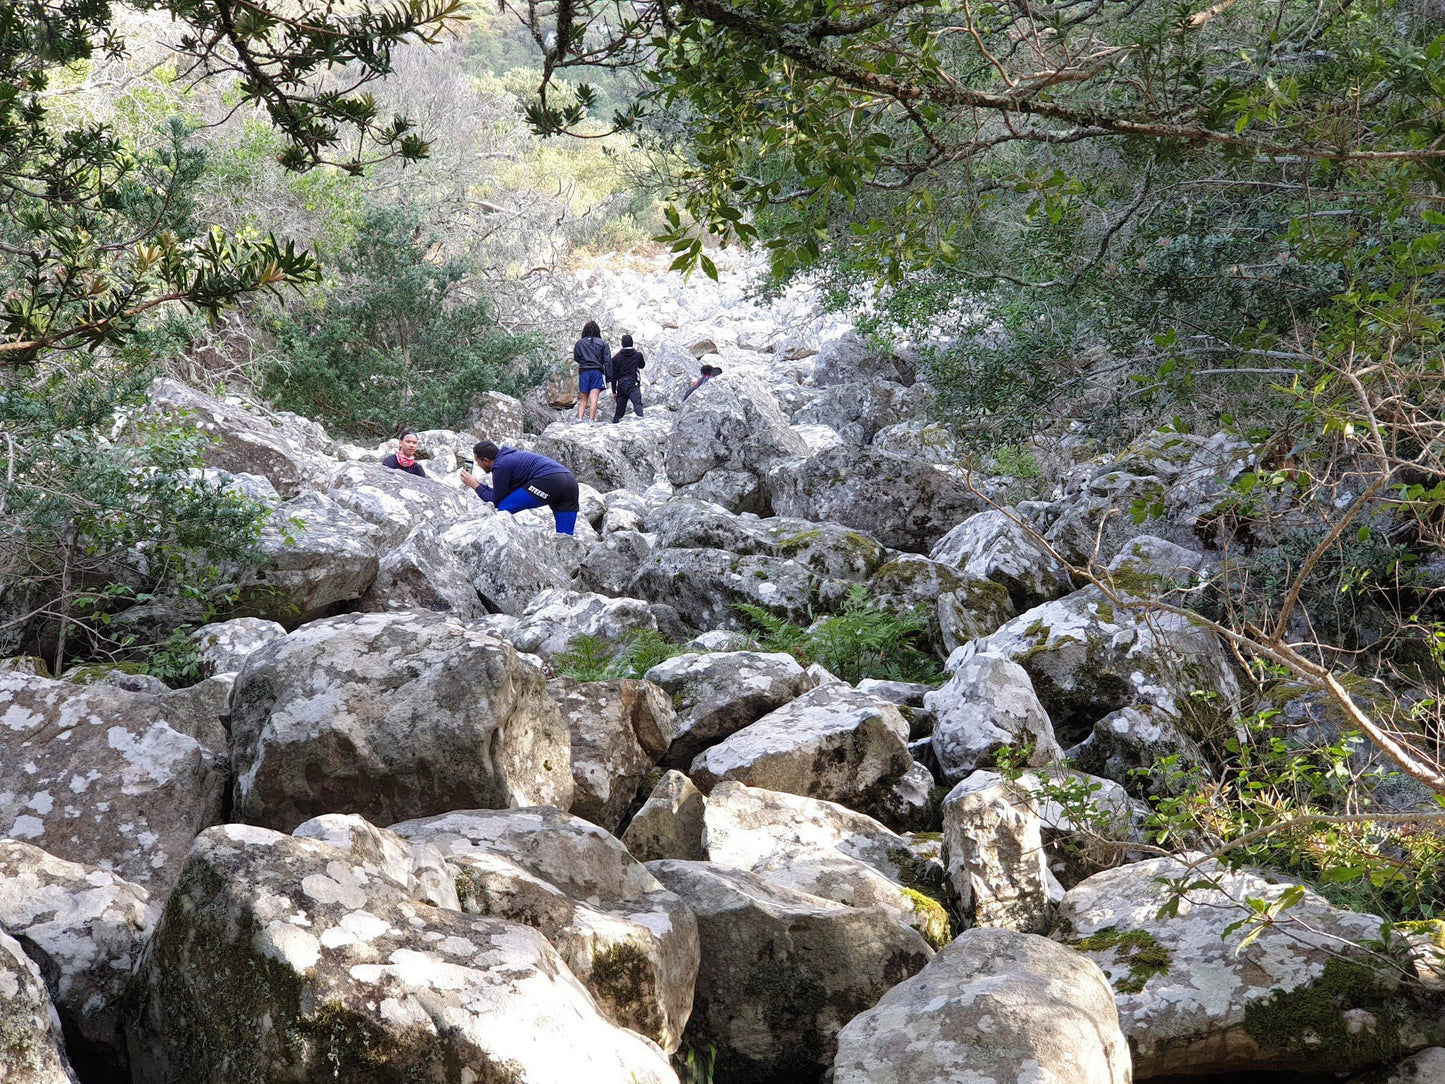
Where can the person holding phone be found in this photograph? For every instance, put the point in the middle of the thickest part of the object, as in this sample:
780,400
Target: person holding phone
523,480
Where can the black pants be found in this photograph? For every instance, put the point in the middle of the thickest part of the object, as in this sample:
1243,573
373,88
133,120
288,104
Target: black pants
629,391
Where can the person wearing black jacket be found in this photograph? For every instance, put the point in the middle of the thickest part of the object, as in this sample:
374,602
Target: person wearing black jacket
626,378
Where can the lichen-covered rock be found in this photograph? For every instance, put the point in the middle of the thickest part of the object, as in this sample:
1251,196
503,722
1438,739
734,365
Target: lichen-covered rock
32,1050
499,417
833,743
719,693
998,545
988,703
556,617
395,502
907,504
224,645
316,554
511,560
1304,997
619,730
849,360
611,456
731,424
111,778
960,607
422,573
389,716
1131,745
782,971
919,439
417,867
996,863
1088,657
823,849
670,823
629,940
280,958
1426,1067
995,1005
86,928
248,440
705,586
1157,561
857,411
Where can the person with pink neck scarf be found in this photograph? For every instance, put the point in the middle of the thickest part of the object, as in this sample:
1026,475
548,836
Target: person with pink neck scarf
404,458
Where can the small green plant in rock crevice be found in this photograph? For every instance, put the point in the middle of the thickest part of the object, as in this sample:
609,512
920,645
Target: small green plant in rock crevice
861,641
595,658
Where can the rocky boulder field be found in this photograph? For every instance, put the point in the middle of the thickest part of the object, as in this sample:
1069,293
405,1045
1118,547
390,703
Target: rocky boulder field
386,840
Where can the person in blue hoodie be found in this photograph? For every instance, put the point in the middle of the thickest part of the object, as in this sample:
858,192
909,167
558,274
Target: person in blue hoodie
594,361
523,480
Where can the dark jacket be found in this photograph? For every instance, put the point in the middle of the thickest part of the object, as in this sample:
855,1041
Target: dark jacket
590,353
415,468
699,383
513,469
625,365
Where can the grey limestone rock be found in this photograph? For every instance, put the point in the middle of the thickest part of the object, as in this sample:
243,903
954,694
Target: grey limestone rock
85,927
611,456
389,716
224,645
282,958
996,863
33,1050
988,703
832,743
718,693
670,822
630,941
110,778
998,545
783,971
995,1005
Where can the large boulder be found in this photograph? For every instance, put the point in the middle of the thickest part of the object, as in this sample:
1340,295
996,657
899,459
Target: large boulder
669,823
501,418
1088,657
316,554
396,501
823,849
223,645
248,439
718,693
556,617
630,941
85,927
282,959
960,607
856,412
419,868
730,426
987,704
782,971
619,730
993,1005
849,360
705,586
833,743
998,545
32,1050
392,716
423,573
1309,995
121,780
610,456
511,559
997,867
907,504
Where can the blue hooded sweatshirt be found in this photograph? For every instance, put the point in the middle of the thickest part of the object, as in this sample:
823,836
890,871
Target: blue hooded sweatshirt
513,469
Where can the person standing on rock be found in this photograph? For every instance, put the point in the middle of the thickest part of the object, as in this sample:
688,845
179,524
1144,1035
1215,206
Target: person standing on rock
594,359
404,458
626,378
522,480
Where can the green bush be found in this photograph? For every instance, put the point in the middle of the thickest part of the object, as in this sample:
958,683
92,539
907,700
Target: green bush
400,342
861,641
